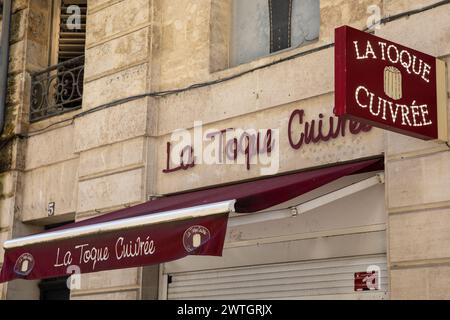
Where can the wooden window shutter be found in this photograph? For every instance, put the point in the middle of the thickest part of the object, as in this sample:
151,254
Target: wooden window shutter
71,41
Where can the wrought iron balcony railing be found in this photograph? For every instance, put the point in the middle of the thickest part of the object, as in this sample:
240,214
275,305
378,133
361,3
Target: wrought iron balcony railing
57,89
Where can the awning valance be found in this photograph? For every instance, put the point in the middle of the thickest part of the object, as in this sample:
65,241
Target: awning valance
158,231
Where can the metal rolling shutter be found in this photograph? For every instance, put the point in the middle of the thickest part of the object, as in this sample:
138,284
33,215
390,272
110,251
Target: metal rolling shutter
321,279
71,42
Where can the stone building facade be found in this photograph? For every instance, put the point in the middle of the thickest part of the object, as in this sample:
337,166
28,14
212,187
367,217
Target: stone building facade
114,156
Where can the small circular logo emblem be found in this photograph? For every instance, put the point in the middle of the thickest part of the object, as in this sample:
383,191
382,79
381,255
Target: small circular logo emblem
194,237
24,264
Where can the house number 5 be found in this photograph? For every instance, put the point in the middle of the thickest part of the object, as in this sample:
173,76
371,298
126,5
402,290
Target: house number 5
51,209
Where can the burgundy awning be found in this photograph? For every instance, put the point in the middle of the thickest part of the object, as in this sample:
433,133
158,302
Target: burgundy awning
158,231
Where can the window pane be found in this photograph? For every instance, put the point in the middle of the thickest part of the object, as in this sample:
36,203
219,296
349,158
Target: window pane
305,21
250,34
251,27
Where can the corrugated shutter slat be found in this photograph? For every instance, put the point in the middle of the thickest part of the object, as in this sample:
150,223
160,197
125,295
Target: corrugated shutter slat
327,279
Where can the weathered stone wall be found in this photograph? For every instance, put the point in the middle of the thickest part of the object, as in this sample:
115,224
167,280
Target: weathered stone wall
25,40
362,145
418,177
113,158
249,101
97,163
8,177
112,143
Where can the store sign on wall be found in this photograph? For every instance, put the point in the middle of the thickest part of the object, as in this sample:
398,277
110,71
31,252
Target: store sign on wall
302,130
389,86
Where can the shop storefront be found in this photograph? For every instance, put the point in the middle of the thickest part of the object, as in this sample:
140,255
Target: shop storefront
187,166
312,253
313,234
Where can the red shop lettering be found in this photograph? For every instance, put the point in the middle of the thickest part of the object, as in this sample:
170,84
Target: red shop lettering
187,151
314,131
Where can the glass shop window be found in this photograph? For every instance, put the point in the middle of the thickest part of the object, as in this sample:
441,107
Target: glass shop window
262,27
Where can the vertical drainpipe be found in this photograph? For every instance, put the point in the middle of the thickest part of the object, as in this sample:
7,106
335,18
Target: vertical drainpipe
4,60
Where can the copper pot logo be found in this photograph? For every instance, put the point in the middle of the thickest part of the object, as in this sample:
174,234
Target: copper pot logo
195,237
393,83
24,265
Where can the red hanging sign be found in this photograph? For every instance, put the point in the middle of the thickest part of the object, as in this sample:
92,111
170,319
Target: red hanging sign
389,86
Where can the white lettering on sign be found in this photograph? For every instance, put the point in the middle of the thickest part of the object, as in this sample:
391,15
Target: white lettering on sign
66,260
413,116
132,249
391,53
92,254
89,254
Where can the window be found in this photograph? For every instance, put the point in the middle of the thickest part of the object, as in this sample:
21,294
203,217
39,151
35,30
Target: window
68,30
59,88
262,27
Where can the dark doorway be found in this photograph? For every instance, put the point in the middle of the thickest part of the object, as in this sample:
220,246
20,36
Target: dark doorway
54,288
